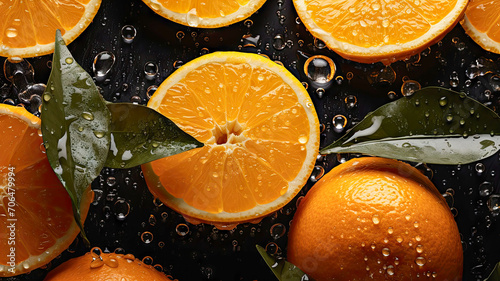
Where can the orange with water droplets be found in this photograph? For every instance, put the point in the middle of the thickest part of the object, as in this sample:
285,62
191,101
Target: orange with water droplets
375,219
36,215
28,28
106,266
370,31
482,23
261,136
203,13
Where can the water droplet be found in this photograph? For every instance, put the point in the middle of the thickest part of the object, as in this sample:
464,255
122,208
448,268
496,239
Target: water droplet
419,249
279,42
494,204
102,65
69,60
319,69
121,209
319,44
147,237
192,18
339,123
151,90
480,168
443,101
128,33
47,97
303,139
99,135
271,248
182,229
180,35
409,87
420,261
375,219
317,174
390,230
386,252
399,239
277,230
150,69
11,32
351,101
320,92
390,270
88,116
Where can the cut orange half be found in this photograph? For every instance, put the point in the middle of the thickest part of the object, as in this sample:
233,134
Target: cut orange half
205,14
261,136
36,215
28,28
482,23
370,31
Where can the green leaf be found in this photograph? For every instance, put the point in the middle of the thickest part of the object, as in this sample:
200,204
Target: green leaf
435,125
495,274
282,269
139,135
75,125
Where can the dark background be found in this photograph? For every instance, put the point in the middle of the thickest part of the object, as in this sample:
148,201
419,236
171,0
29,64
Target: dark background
125,214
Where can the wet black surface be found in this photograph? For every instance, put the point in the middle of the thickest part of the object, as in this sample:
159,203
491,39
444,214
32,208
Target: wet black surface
205,253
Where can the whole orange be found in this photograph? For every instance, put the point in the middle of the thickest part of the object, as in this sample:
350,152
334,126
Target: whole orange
375,219
106,266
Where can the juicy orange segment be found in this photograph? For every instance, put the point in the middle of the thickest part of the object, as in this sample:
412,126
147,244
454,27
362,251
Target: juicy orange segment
29,27
482,24
260,131
203,13
42,214
379,30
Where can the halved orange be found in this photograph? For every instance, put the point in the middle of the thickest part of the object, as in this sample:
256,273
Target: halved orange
370,31
28,28
205,14
482,23
261,136
36,216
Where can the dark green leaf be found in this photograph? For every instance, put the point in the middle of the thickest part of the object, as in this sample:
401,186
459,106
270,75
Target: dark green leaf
282,269
435,125
75,125
495,274
139,135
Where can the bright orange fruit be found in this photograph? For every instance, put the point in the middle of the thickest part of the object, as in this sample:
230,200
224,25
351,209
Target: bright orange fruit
28,28
375,219
482,23
203,13
36,215
109,267
261,136
370,31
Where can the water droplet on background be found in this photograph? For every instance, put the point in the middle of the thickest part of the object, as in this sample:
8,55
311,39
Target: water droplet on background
319,69
102,65
279,42
128,33
339,123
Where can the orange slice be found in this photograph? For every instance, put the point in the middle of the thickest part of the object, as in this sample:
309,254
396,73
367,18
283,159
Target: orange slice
370,31
28,28
205,14
261,136
36,216
482,23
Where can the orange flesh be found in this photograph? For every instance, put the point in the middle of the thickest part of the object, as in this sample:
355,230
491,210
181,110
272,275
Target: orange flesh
41,15
367,21
43,209
254,128
204,8
485,18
